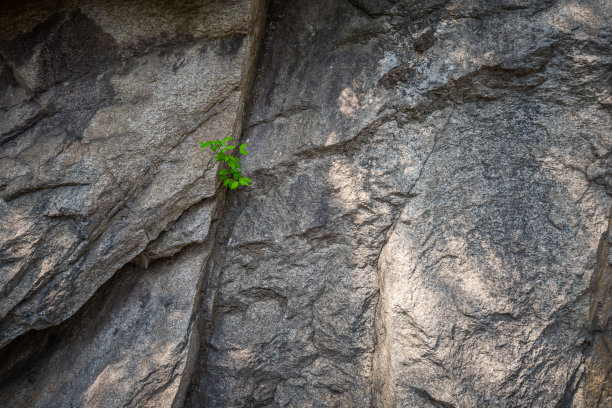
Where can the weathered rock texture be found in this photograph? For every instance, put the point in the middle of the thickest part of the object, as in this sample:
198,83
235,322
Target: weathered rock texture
432,183
101,115
102,106
430,193
598,384
128,346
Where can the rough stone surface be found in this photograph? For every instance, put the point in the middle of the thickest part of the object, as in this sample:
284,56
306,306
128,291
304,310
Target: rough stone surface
431,187
191,228
98,154
598,384
99,166
127,347
430,191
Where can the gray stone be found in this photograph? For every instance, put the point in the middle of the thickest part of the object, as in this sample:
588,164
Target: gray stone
428,224
98,153
191,228
129,183
427,205
598,384
128,346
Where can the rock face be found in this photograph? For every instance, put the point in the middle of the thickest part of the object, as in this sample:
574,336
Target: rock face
128,346
432,183
424,221
102,106
598,385
100,122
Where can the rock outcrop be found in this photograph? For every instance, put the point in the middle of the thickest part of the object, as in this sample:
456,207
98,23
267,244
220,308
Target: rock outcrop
102,106
128,346
432,182
423,225
101,115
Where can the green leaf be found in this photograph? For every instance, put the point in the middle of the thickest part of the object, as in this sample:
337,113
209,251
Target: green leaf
231,176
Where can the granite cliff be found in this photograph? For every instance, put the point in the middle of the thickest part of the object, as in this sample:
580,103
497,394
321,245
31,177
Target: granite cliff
429,223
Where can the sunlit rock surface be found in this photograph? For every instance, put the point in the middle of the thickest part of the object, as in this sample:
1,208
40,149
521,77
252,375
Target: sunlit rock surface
102,105
101,114
423,226
427,227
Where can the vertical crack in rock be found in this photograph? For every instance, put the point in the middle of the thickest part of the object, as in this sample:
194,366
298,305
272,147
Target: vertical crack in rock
211,274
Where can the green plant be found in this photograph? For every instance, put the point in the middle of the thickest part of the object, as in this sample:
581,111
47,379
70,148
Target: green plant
231,177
